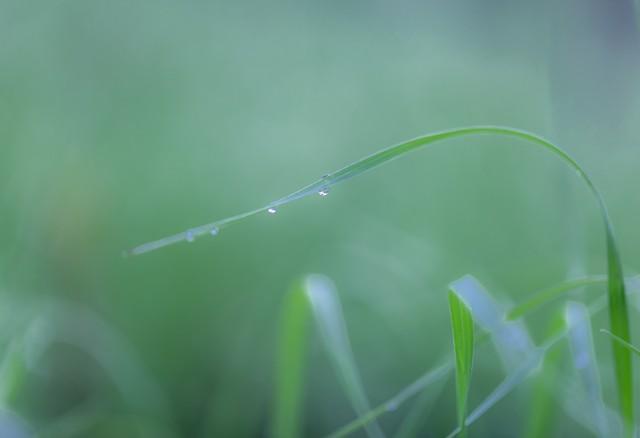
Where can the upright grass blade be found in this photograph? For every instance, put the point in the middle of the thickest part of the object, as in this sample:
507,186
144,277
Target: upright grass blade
327,312
584,359
555,332
290,364
618,312
463,343
543,408
511,338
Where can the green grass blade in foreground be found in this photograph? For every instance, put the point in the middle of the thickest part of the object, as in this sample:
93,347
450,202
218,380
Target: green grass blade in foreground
327,312
622,342
543,407
584,359
290,365
555,332
463,343
511,338
618,311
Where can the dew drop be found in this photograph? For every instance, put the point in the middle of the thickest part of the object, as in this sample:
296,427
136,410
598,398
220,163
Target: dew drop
272,211
214,231
189,236
323,192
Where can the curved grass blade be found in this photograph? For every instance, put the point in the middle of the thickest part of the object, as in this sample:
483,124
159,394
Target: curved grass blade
618,311
327,311
290,364
463,343
584,359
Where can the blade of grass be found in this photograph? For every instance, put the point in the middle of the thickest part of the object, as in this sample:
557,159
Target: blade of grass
463,343
395,402
511,338
546,295
618,309
418,416
622,342
543,408
327,312
512,381
555,331
290,364
584,359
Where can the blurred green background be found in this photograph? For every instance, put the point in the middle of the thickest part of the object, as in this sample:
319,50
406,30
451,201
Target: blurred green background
122,122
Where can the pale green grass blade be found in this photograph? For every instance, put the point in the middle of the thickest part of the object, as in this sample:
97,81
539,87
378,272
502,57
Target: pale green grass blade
418,414
463,348
511,338
547,295
395,402
290,365
512,381
622,342
327,313
556,331
584,359
13,372
618,309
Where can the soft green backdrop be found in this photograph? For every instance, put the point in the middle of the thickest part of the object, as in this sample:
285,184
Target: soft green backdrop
122,122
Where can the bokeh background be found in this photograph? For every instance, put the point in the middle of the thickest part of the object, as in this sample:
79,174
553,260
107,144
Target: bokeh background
123,122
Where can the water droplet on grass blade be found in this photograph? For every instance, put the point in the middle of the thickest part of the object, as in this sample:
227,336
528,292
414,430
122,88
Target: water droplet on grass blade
323,192
272,211
189,236
214,231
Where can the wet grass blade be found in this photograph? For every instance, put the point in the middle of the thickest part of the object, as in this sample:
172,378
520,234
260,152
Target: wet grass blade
291,361
618,309
463,348
584,359
327,313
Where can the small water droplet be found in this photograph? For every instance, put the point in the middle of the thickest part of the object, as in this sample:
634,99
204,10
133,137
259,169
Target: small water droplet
325,176
189,236
272,211
214,231
323,192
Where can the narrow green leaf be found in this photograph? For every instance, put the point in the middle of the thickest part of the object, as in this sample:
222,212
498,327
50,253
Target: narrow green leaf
618,309
511,338
547,295
427,379
292,340
463,343
327,311
622,342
